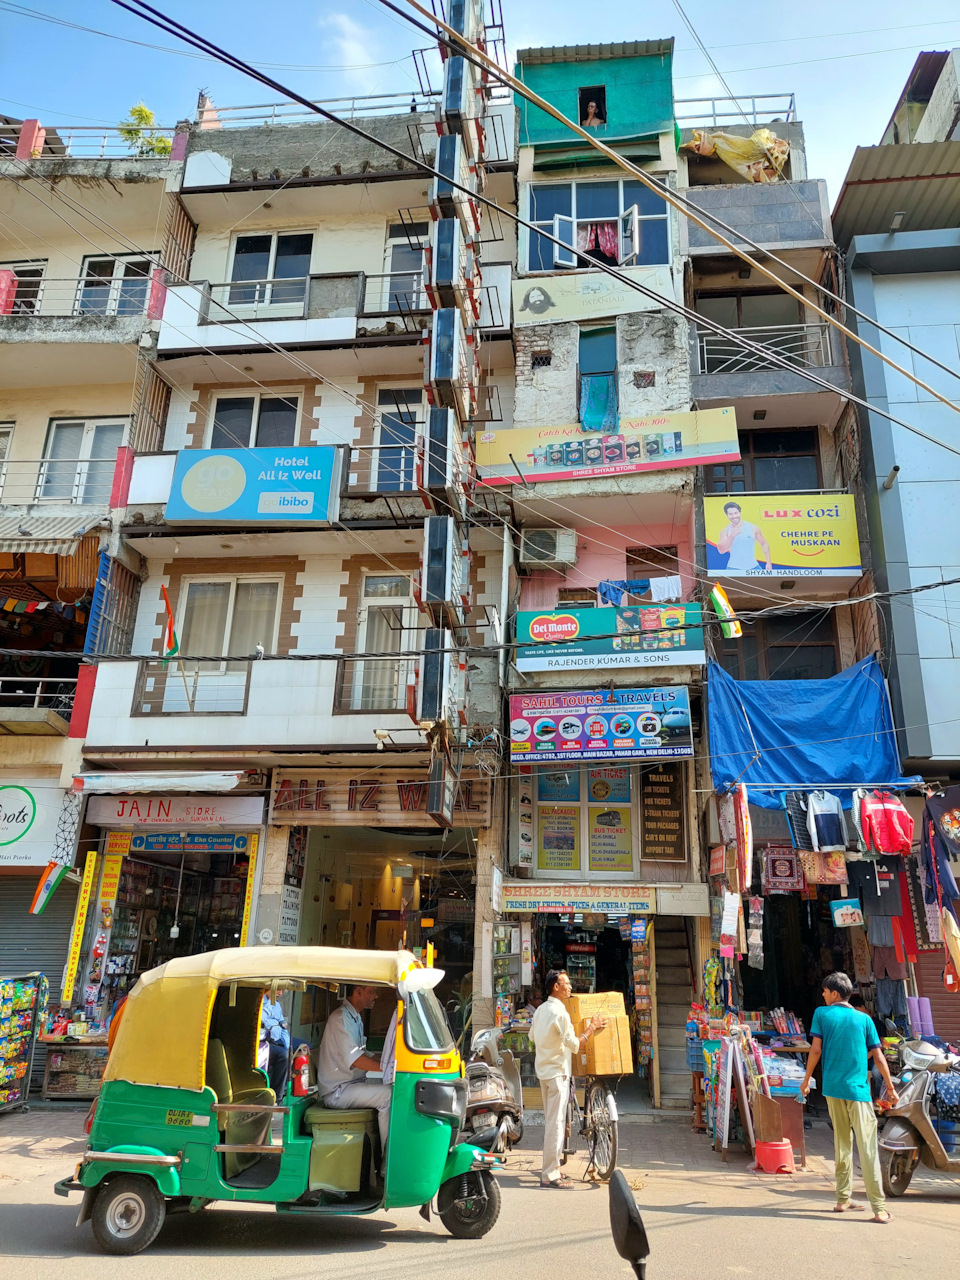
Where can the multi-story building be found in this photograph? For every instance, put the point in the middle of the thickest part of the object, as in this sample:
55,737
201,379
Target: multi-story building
896,219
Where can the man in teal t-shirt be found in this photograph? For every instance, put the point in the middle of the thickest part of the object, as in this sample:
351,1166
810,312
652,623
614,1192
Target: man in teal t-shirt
845,1037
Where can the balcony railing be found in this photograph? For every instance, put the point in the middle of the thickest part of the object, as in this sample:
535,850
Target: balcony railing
85,482
47,693
186,686
759,108
806,346
372,684
88,142
56,298
372,104
382,469
398,292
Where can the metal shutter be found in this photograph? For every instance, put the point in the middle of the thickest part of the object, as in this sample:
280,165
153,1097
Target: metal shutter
29,943
944,1004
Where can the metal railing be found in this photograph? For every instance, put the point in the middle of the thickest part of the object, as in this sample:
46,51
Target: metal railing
372,684
46,693
188,686
372,104
276,298
807,346
394,292
51,297
759,108
382,469
88,142
83,482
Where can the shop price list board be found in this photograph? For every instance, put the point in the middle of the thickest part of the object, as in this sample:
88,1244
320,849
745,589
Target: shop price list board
662,797
23,998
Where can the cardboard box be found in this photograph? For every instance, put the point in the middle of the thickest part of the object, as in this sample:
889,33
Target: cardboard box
610,1051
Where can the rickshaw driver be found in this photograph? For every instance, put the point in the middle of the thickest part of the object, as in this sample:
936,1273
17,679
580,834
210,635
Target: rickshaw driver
342,1061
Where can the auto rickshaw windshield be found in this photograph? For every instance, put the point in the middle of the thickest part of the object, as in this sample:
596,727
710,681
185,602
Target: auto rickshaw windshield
425,1025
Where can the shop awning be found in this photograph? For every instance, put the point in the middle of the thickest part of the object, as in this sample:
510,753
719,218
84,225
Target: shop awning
801,735
136,783
44,535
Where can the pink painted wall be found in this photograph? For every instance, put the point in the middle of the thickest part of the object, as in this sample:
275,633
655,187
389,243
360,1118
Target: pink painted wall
602,554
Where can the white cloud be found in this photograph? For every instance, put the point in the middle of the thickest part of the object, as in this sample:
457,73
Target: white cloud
354,48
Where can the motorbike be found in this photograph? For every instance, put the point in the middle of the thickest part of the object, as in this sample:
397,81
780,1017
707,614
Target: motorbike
924,1126
494,1120
626,1225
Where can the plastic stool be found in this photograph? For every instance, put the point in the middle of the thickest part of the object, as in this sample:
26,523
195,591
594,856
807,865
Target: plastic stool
775,1157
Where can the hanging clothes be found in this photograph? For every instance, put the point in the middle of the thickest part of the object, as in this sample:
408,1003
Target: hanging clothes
741,809
877,885
886,964
891,999
612,592
781,870
931,912
825,822
669,588
880,931
935,859
944,810
906,922
885,824
795,804
598,402
862,850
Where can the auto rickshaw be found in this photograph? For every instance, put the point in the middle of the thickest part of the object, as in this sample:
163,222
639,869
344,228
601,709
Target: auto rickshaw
185,1117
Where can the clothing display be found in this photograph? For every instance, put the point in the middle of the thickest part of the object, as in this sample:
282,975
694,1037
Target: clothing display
886,964
824,868
944,810
891,998
880,931
825,823
669,588
877,885
781,870
931,912
885,824
935,859
795,804
741,809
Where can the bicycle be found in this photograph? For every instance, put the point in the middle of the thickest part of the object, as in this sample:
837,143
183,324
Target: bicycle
597,1123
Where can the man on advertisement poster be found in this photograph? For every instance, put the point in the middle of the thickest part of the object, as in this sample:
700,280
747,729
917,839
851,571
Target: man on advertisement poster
740,540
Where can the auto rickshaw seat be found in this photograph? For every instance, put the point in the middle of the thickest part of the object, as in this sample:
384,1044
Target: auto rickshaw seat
343,1148
243,1127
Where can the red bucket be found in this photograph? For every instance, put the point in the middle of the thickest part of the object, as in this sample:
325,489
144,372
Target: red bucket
775,1157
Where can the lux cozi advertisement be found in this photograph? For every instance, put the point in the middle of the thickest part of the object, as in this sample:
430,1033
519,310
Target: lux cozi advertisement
583,639
795,535
526,454
620,724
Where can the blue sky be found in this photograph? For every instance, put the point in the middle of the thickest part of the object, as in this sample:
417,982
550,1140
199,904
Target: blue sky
845,62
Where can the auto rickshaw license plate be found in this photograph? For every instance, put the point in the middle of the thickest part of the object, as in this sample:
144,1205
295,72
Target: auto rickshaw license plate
186,1119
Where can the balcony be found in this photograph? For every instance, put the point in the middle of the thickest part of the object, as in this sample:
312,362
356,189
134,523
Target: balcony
777,215
725,372
68,481
35,309
36,707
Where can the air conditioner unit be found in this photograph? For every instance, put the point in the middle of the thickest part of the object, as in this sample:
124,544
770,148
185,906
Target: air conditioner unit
548,548
435,684
460,104
448,262
466,18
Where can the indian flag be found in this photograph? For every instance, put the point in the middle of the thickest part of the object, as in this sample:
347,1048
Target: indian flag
171,645
722,607
52,875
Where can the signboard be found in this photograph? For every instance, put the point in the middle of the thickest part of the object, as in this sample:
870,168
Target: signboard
288,930
188,842
618,724
76,936
175,811
587,295
662,802
617,899
584,639
611,838
558,838
785,535
117,842
370,798
110,879
248,892
256,486
29,811
683,900
567,452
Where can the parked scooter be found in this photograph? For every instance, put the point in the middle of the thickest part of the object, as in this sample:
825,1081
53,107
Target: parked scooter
494,1120
924,1126
627,1226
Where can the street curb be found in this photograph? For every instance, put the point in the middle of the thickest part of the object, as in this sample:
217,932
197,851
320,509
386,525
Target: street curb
534,1119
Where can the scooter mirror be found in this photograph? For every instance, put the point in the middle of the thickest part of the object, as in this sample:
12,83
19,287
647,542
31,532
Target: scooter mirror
626,1224
890,1026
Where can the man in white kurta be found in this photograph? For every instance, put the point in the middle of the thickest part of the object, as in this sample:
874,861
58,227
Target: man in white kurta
343,1061
555,1042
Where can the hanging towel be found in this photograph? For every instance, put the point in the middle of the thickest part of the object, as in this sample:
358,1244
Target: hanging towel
598,402
612,592
666,588
825,822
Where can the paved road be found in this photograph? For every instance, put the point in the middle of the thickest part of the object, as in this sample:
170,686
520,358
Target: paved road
705,1220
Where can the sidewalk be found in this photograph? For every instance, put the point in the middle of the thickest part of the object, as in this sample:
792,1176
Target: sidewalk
40,1143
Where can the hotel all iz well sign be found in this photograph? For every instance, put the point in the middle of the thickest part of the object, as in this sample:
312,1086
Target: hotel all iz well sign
369,798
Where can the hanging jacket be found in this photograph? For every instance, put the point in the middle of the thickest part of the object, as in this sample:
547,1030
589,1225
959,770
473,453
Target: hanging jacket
885,823
825,822
936,865
863,844
795,805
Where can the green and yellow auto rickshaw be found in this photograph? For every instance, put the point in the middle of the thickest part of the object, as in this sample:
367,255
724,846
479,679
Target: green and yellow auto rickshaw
185,1117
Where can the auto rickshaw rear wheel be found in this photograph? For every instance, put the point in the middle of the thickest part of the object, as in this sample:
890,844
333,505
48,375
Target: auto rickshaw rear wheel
469,1204
127,1213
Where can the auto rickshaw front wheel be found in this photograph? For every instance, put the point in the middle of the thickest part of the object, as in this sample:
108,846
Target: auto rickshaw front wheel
127,1213
469,1204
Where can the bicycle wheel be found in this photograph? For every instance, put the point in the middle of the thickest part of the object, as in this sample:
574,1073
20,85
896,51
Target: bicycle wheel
602,1128
568,1128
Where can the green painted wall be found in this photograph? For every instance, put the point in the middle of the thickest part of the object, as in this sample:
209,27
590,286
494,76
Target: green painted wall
639,97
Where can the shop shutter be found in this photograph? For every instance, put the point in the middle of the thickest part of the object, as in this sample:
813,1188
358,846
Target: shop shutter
29,943
944,1004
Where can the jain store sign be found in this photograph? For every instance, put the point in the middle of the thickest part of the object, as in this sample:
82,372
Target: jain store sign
256,486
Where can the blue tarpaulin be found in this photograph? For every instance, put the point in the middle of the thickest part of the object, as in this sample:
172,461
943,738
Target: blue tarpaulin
797,735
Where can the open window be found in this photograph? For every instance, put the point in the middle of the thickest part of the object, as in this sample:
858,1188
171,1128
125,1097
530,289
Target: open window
592,104
563,230
630,236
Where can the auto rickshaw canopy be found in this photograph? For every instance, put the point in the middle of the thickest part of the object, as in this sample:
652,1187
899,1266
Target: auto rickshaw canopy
163,1035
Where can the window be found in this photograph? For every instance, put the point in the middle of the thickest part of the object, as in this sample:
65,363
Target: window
274,268
261,421
425,1025
26,295
597,399
80,458
115,286
401,423
228,616
576,598
404,267
541,360
651,562
387,625
619,222
778,321
750,310
796,646
770,462
592,104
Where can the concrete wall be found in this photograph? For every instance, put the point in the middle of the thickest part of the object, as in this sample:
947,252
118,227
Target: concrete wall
782,214
639,97
941,120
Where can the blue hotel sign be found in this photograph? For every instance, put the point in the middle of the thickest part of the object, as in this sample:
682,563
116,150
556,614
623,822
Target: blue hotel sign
256,486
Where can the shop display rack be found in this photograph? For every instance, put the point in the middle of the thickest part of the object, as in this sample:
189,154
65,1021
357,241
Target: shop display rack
23,998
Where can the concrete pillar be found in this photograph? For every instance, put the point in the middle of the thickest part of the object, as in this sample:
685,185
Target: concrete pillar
31,140
490,854
274,861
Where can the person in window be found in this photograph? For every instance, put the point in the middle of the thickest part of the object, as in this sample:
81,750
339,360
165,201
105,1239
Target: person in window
740,540
593,118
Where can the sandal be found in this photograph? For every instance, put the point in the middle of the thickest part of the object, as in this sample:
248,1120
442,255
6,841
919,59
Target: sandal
883,1217
563,1184
848,1204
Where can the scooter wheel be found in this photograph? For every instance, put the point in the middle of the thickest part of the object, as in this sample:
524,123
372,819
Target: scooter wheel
896,1170
127,1214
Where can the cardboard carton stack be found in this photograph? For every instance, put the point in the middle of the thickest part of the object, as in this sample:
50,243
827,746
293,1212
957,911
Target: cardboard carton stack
608,1053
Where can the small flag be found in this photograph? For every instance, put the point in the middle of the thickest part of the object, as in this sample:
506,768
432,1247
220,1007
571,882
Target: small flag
171,645
723,609
52,875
